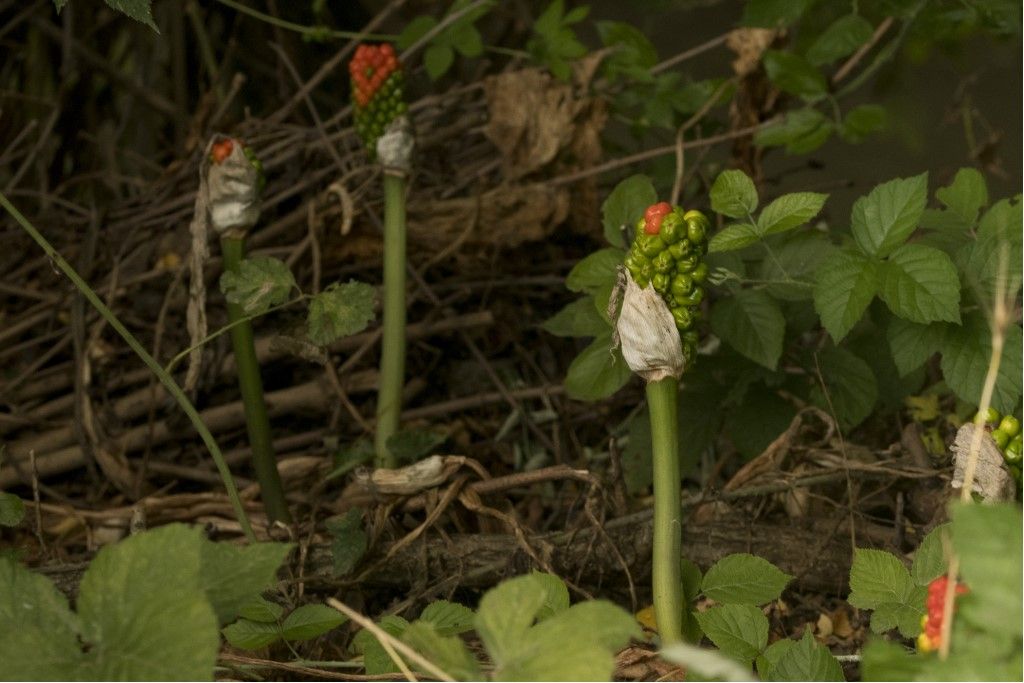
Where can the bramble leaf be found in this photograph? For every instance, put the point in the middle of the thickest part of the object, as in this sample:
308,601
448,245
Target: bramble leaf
800,131
744,579
733,194
310,621
851,386
920,284
739,631
884,219
841,38
880,582
259,283
448,618
965,196
341,310
252,635
751,323
794,74
595,271
862,121
625,205
449,653
844,288
912,344
790,211
598,372
965,357
231,575
348,540
806,660
731,237
930,557
139,10
577,319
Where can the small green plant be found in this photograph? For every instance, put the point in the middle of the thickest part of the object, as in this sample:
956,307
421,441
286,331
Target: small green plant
260,624
458,36
387,134
148,608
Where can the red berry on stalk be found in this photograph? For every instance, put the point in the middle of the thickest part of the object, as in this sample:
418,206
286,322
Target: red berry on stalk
221,150
653,216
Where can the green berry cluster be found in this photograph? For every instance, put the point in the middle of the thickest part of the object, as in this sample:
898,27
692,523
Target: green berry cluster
1005,431
668,253
378,90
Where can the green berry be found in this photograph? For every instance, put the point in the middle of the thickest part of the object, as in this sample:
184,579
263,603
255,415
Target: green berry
650,245
992,417
663,263
1001,438
682,284
1014,452
696,226
673,228
688,264
693,298
700,273
1010,425
680,249
660,282
682,316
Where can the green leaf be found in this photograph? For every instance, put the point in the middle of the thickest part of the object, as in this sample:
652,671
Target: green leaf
40,632
341,310
862,121
578,319
596,270
794,74
773,13
930,558
505,614
733,194
851,386
877,577
348,540
448,618
731,237
791,272
410,445
59,4
310,621
790,211
887,661
633,51
139,10
904,616
437,59
758,421
691,580
987,539
800,131
12,510
232,575
744,579
807,660
447,652
739,631
840,39
376,660
252,635
414,30
999,242
143,610
467,41
625,205
556,595
259,283
598,372
966,352
920,284
258,608
965,196
844,288
912,344
885,218
751,323
771,656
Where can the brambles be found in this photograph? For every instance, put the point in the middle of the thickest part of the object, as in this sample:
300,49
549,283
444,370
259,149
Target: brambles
931,623
378,90
668,253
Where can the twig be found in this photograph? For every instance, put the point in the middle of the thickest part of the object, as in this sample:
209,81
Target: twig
852,62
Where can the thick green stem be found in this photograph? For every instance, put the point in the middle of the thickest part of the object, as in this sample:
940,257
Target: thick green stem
667,556
161,374
257,423
392,354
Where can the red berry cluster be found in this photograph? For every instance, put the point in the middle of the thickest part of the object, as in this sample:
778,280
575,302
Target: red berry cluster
654,215
931,623
377,88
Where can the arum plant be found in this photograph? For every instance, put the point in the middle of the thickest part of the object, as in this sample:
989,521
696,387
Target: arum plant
661,287
377,90
234,181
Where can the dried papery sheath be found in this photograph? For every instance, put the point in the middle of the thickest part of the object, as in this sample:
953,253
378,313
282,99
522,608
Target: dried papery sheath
992,480
647,333
394,147
233,182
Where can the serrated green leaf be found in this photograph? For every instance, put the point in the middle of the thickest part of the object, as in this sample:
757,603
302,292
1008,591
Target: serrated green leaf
341,310
448,618
258,608
376,660
965,196
851,386
143,611
966,351
841,38
771,656
598,372
744,579
790,211
733,194
231,575
449,653
912,344
998,246
595,270
794,74
12,510
904,616
467,41
252,635
920,284
751,323
139,10
259,283
409,445
877,577
884,660
348,540
556,595
414,30
862,121
625,205
691,579
739,631
791,273
577,319
800,131
807,660
844,288
987,539
310,621
885,218
732,237
773,13
40,633
437,59
632,50
930,560
505,614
